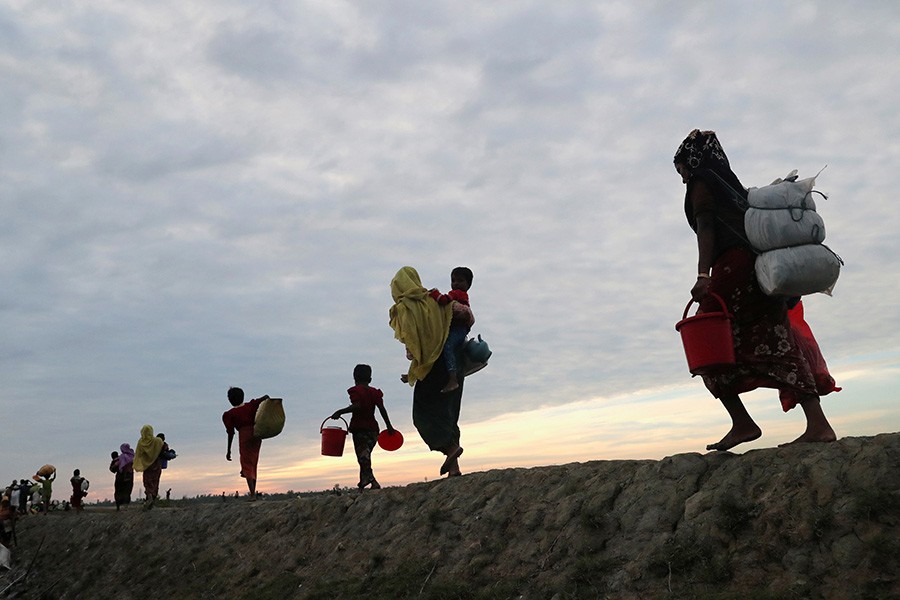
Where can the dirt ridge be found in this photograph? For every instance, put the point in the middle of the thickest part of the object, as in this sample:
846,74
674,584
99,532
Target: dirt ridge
806,521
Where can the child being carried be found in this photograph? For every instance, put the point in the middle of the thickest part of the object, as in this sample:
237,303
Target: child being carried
461,323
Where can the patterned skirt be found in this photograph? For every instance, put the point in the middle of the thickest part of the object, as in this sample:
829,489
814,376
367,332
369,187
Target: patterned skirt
767,352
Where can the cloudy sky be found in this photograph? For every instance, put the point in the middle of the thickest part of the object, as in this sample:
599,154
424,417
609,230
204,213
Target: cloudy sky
204,194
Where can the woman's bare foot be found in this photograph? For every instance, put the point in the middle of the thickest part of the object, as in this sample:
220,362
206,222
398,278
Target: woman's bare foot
818,429
735,437
451,461
454,469
818,436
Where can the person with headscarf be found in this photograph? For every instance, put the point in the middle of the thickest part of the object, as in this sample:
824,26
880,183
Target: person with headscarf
422,325
147,460
124,470
766,351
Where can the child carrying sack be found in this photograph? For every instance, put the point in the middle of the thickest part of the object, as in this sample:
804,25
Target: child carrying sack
782,224
269,420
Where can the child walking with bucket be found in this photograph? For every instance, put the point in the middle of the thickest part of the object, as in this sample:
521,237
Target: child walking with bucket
363,425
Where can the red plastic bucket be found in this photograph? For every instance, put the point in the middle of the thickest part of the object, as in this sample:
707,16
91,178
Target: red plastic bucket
333,438
390,442
707,339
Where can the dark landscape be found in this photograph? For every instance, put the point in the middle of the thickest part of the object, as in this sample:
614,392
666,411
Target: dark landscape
805,521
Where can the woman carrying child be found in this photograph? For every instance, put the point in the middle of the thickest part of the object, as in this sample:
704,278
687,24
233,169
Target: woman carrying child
422,326
124,475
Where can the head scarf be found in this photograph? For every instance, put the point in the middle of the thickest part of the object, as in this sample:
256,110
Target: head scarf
418,321
702,149
127,455
705,159
147,450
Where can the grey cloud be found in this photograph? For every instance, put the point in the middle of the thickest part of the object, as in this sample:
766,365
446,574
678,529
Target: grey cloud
235,214
257,54
142,153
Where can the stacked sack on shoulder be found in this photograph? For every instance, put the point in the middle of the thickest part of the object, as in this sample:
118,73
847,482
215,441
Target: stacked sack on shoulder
782,224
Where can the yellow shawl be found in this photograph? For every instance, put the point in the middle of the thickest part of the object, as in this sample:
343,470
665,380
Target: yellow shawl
418,321
147,449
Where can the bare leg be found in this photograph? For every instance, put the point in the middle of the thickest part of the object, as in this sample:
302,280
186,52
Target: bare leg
743,427
251,483
453,469
818,429
452,383
452,453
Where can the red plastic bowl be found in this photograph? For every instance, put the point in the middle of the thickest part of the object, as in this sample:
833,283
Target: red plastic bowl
390,442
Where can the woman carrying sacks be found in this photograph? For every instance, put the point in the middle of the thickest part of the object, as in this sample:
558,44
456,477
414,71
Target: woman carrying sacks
766,351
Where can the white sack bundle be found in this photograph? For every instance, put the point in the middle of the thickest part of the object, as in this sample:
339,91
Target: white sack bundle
784,194
798,271
783,214
782,228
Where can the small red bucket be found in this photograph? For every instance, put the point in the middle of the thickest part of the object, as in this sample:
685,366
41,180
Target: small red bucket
707,339
390,442
333,438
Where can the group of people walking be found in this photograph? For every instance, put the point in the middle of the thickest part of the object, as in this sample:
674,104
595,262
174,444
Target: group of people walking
152,454
433,327
33,496
149,457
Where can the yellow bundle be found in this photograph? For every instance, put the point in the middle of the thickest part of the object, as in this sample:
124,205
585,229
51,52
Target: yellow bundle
269,419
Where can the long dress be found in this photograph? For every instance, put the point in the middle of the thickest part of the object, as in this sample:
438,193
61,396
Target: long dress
147,458
124,485
766,348
152,475
767,353
422,325
436,414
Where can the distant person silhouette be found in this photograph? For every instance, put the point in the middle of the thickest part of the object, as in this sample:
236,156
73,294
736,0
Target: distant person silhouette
147,460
